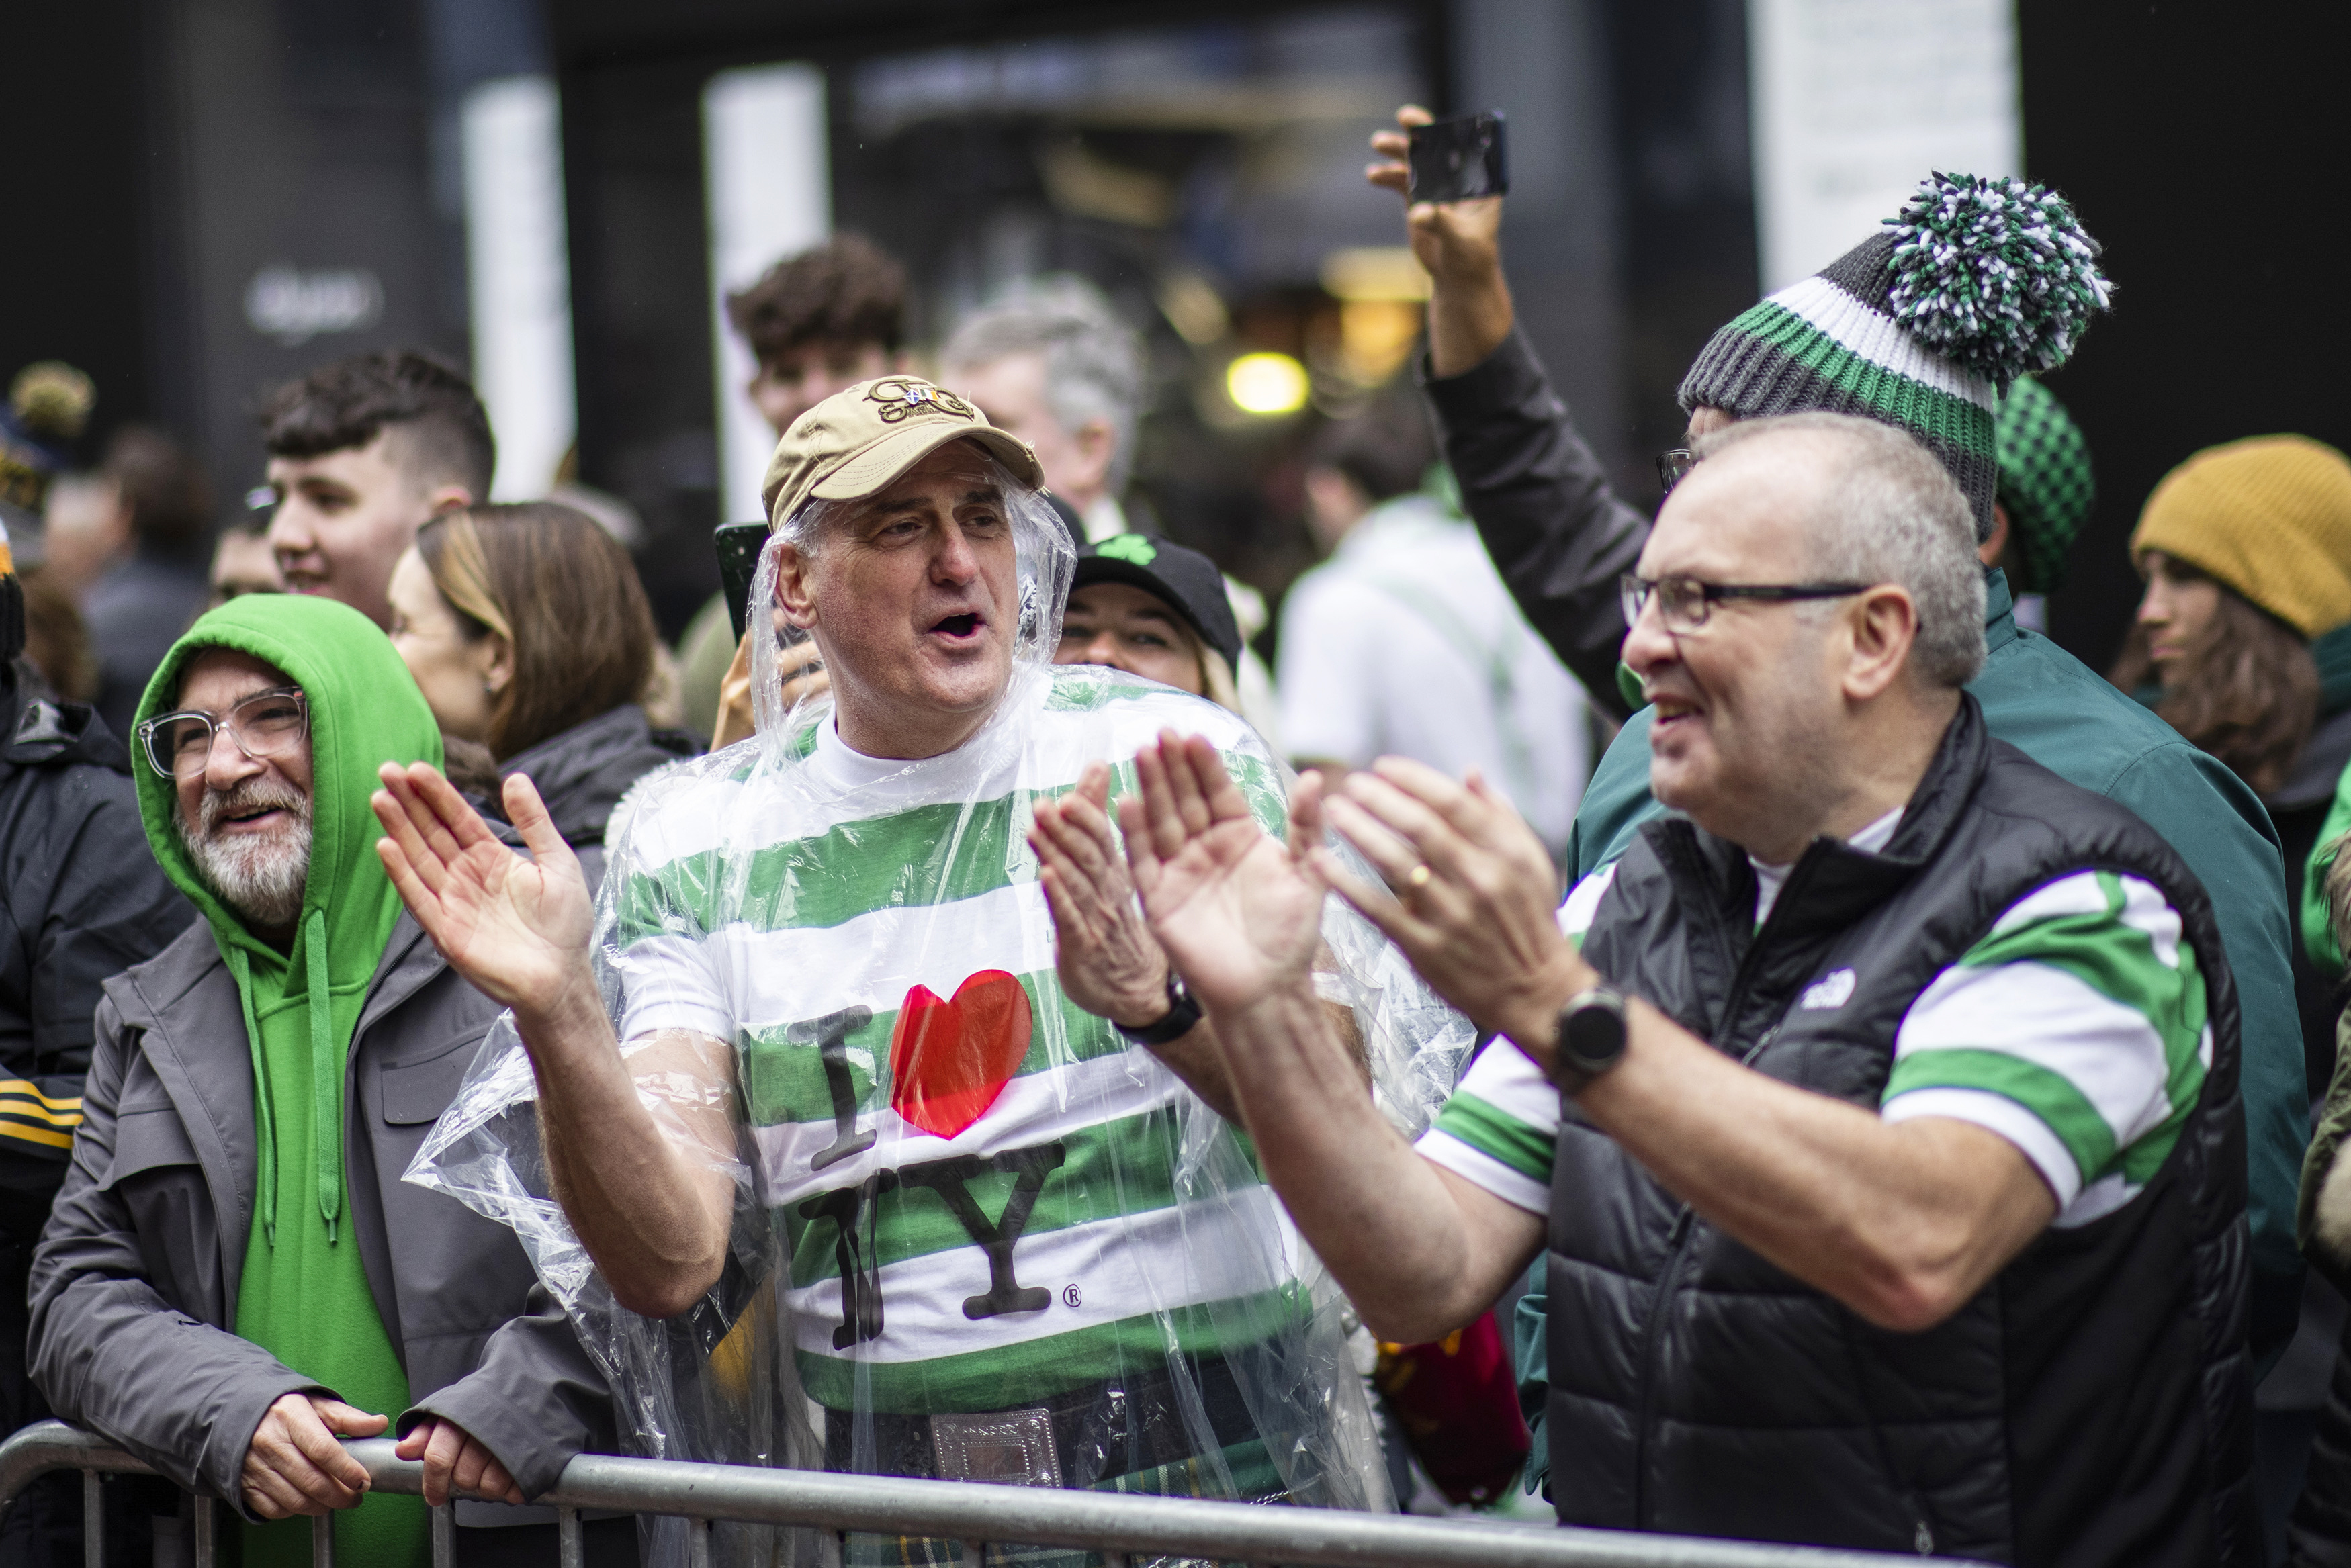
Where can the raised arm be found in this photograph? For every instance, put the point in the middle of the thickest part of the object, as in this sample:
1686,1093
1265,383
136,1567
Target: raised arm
1902,1222
1418,1250
1560,536
650,1209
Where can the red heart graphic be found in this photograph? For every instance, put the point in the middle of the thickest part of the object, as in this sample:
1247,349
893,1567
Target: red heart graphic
950,1059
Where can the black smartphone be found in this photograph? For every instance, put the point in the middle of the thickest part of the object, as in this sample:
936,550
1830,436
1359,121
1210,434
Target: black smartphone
1458,159
740,544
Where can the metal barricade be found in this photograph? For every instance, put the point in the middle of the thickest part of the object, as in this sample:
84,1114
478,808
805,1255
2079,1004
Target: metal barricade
1118,1527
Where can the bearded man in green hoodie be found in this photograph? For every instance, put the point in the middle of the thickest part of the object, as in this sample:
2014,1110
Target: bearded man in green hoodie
235,1276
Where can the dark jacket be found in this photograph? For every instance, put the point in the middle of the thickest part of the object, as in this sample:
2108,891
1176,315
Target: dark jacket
80,899
1559,537
582,772
2299,808
2090,1406
134,614
135,1284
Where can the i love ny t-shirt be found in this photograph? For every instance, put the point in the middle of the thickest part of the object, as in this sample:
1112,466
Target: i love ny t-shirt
976,1183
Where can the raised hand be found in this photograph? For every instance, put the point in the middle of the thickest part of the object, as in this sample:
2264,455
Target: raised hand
1109,962
1459,244
799,666
518,929
1239,914
1477,902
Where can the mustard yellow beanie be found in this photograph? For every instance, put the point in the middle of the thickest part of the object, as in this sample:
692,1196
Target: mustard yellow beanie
2268,516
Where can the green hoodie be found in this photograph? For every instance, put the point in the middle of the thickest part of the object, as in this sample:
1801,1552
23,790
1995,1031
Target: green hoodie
304,1296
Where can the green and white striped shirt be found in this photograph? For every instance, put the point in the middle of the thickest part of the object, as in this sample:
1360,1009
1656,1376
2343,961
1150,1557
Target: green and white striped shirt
1016,1201
2075,1029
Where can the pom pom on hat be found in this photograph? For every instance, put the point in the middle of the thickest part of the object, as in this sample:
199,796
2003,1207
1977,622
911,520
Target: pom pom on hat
52,398
1921,326
47,405
1993,274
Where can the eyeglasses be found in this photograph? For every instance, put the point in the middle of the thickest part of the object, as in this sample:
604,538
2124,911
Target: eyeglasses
1685,602
270,723
1674,466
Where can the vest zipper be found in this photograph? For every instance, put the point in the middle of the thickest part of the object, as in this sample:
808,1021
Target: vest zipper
1677,1239
1922,1529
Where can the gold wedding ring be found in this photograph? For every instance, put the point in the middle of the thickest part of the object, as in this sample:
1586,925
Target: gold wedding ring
1418,876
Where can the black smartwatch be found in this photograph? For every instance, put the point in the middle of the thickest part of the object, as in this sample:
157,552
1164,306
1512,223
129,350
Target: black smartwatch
1177,1022
1590,1040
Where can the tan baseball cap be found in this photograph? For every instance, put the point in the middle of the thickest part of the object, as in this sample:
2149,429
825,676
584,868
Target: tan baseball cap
859,441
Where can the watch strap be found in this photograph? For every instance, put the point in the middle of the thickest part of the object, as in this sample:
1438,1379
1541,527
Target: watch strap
1182,1014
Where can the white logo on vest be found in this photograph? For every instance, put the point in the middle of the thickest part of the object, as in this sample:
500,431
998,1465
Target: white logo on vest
1832,989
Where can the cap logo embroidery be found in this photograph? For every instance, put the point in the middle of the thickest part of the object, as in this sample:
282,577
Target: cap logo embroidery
900,397
1133,548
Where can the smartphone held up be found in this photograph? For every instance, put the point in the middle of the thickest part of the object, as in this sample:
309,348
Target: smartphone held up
1459,159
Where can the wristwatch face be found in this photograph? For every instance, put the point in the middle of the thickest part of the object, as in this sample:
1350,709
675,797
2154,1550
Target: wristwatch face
1592,1033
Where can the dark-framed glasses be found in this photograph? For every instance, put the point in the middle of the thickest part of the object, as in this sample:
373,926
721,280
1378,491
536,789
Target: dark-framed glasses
271,724
1674,466
1685,602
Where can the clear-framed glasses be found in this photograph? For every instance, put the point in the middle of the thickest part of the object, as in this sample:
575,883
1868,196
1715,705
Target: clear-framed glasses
1685,602
1674,466
267,724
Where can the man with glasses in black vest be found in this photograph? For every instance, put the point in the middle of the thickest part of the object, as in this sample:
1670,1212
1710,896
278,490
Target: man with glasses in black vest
1876,1112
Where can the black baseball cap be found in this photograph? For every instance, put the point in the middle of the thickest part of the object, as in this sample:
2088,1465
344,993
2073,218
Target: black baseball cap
1186,580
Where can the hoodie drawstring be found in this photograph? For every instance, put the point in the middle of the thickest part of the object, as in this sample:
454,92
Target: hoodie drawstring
326,1075
264,1122
325,1083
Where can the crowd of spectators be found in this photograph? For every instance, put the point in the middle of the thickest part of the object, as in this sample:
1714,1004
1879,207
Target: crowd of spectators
1713,1019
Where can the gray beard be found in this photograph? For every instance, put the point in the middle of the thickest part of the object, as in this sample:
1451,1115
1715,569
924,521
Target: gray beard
261,876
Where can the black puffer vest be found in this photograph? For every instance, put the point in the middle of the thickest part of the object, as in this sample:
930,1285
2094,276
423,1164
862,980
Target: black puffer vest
2090,1406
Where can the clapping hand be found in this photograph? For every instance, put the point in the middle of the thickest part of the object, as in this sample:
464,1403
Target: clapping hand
517,927
1109,962
1238,912
1476,900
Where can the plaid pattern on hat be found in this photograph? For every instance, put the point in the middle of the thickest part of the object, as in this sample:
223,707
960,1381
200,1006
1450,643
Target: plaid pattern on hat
1974,283
2045,482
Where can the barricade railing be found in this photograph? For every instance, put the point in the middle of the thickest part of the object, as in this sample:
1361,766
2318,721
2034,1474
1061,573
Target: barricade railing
1118,1527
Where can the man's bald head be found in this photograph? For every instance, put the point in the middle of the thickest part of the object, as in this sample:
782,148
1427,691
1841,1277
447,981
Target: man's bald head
1875,507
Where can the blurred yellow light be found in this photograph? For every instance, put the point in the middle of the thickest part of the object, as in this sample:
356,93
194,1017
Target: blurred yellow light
1373,272
1376,337
1266,384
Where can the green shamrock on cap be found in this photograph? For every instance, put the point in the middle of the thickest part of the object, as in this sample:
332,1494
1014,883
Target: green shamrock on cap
1133,548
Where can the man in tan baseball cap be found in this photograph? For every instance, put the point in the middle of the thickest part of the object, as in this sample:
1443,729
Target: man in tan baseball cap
852,446
881,967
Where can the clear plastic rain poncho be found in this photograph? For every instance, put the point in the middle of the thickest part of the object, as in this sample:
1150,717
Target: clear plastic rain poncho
977,1234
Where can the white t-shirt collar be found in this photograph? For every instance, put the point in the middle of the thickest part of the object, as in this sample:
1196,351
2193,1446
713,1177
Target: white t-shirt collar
1770,879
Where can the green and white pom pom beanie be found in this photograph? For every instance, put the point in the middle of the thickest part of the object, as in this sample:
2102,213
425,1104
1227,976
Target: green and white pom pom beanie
1976,281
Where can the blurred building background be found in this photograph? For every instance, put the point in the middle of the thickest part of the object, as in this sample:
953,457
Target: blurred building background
212,195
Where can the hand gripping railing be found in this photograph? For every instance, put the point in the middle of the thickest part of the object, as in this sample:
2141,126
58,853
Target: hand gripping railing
1117,1526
